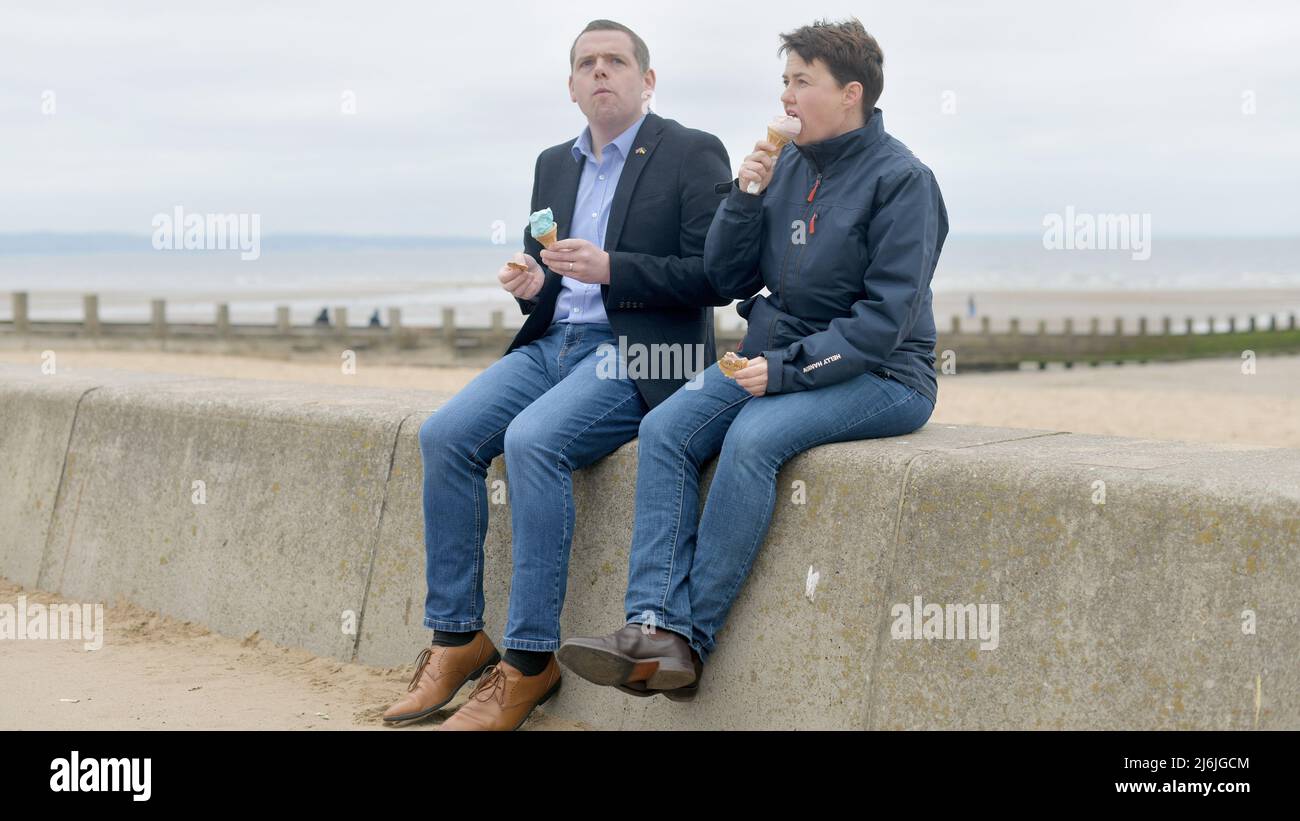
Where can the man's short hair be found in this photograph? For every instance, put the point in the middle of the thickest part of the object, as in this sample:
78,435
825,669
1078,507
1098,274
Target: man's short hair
847,50
639,48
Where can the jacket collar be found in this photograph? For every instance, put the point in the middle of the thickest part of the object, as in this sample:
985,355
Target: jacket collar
623,142
641,145
822,154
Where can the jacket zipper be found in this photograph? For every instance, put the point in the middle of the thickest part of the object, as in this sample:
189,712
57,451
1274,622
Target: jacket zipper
812,227
811,224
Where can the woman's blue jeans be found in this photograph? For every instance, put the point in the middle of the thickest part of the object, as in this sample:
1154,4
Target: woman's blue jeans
683,577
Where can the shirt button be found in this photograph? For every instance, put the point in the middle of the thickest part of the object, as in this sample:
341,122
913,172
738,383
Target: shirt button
602,176
593,215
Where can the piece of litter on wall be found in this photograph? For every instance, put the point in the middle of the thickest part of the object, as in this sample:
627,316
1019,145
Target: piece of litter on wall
70,700
810,585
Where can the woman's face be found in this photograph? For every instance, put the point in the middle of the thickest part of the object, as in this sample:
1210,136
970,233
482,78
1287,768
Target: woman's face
824,107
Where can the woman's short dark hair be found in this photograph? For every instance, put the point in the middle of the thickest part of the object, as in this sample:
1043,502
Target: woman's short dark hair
847,50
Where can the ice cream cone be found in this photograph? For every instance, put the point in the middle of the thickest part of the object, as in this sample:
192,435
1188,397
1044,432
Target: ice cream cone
730,363
542,227
780,131
777,139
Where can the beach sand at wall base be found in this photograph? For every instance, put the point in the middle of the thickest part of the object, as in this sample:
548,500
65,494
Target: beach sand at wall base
158,673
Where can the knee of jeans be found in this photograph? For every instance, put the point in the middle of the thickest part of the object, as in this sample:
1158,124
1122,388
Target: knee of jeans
440,435
525,437
745,438
656,427
432,438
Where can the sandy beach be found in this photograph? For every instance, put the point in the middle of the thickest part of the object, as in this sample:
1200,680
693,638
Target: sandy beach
478,297
1205,400
159,673
1208,400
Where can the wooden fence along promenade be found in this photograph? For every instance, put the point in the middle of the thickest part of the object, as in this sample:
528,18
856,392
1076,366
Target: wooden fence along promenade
972,348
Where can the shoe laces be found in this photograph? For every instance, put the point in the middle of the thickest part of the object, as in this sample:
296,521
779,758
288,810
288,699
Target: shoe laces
491,685
420,662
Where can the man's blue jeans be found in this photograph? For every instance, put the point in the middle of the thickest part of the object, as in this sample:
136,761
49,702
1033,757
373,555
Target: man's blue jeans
685,579
548,408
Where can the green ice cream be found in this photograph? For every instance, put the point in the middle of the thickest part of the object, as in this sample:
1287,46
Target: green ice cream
539,222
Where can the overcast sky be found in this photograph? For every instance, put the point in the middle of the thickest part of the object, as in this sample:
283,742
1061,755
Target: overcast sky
236,107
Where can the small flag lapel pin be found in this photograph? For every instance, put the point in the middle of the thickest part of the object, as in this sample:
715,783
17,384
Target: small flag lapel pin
640,150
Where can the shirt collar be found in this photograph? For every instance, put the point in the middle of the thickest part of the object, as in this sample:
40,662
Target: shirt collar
825,152
623,142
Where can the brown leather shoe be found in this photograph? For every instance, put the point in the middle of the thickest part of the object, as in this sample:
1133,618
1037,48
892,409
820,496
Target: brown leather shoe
440,672
504,698
660,658
687,693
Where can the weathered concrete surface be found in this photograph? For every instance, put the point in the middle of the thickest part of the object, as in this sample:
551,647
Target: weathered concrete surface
37,412
1124,570
244,506
37,421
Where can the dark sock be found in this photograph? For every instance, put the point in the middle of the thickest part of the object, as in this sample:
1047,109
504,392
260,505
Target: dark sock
453,639
526,661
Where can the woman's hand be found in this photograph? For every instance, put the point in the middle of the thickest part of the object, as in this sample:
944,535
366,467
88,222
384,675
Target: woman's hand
757,167
753,377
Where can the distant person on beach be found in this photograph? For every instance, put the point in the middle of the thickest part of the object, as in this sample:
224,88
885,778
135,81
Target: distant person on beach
632,199
841,350
323,318
970,305
374,320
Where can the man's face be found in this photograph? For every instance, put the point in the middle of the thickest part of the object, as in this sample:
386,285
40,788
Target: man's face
812,94
606,82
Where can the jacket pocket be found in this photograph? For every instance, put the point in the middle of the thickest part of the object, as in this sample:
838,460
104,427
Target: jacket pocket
787,329
657,197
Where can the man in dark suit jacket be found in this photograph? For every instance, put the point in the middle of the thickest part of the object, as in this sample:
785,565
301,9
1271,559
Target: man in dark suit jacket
619,317
655,292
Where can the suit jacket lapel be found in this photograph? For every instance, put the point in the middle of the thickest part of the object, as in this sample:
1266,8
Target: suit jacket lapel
644,146
568,175
566,193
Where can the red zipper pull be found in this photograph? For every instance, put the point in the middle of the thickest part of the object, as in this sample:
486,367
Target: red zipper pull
812,226
813,192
